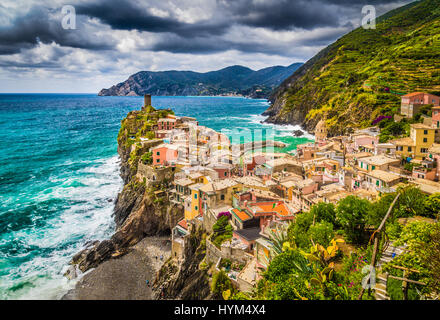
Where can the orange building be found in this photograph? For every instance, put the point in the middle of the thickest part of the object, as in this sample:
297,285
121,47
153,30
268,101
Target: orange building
164,155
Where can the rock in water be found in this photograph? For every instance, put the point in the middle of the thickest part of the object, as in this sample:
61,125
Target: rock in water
71,273
298,133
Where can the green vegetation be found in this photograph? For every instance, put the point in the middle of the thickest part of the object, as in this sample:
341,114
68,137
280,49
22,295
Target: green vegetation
230,80
147,158
221,283
314,263
366,71
222,231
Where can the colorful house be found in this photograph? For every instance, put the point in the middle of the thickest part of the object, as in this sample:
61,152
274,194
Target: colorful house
193,203
434,155
164,154
380,162
412,102
380,180
423,137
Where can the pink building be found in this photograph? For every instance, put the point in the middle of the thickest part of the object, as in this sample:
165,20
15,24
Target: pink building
365,142
436,117
166,124
412,102
434,155
164,155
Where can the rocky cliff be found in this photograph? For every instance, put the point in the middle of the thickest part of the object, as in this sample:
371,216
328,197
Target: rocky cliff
139,211
185,280
363,74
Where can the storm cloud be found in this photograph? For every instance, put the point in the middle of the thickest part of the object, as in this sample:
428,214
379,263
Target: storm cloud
114,38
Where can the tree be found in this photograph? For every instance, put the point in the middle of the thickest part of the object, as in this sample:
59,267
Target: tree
321,233
351,214
324,212
432,205
411,202
431,258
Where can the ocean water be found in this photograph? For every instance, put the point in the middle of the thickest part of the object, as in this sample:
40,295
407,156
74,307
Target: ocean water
59,175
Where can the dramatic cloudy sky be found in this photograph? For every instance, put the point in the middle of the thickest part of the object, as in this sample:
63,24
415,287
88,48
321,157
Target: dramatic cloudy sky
116,38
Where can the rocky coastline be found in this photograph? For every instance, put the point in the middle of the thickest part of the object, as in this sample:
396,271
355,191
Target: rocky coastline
141,219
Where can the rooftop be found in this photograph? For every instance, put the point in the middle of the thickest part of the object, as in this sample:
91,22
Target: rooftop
421,126
218,185
403,142
241,214
279,208
383,175
183,182
250,234
435,148
379,160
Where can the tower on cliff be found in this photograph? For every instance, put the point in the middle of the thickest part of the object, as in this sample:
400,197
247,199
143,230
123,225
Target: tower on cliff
147,101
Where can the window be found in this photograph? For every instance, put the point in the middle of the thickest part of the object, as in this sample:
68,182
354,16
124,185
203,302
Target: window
425,131
425,139
409,149
196,208
222,197
373,167
423,150
157,160
226,174
195,195
158,153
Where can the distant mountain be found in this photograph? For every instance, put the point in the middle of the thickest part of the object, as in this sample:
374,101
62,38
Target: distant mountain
363,74
234,80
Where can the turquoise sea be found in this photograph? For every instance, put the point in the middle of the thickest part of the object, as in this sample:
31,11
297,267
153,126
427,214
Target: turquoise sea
59,175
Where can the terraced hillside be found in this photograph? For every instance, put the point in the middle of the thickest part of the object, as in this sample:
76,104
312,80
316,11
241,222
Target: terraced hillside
364,73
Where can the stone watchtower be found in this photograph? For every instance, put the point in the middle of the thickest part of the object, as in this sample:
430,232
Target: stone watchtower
147,100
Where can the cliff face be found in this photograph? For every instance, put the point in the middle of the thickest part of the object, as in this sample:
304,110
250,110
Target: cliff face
363,74
185,280
138,211
234,80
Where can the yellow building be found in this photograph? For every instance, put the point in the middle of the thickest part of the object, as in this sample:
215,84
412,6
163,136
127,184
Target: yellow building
424,137
192,203
416,146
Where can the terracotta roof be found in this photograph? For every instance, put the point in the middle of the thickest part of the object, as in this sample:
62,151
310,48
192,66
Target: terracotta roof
412,94
242,215
183,224
280,208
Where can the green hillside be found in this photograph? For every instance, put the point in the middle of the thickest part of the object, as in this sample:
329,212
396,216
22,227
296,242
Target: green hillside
364,73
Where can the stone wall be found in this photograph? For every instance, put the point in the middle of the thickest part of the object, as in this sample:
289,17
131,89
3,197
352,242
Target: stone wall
234,254
154,175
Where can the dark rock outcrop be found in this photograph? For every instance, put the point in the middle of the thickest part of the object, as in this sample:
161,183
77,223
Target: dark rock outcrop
185,280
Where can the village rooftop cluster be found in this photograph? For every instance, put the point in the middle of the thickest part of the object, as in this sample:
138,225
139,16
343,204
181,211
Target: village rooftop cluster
261,191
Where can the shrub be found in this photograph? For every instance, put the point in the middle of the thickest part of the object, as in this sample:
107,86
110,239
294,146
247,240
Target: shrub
147,158
224,214
220,283
324,212
351,213
432,205
321,233
222,231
